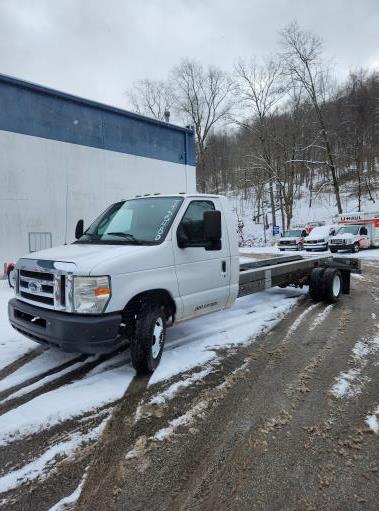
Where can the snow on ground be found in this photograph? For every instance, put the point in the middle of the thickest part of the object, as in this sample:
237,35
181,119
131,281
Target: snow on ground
372,421
321,208
350,383
64,403
47,460
67,503
196,341
189,344
12,344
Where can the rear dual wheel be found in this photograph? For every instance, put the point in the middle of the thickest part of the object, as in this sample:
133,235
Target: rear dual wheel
325,284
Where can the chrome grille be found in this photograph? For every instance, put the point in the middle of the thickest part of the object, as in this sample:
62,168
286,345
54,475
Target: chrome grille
46,289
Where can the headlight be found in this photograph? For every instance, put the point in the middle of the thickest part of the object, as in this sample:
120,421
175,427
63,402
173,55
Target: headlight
91,294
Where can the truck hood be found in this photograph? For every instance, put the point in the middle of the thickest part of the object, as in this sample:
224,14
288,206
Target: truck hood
346,236
92,259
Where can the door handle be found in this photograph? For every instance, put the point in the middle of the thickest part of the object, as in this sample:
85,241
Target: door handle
223,266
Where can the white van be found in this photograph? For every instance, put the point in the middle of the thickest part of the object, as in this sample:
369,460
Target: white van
357,231
318,238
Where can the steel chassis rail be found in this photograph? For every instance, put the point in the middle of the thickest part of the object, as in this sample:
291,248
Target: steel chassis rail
291,270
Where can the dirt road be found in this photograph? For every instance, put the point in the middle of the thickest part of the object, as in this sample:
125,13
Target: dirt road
279,425
284,423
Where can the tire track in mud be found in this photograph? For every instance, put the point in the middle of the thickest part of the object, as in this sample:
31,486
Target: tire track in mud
60,381
19,362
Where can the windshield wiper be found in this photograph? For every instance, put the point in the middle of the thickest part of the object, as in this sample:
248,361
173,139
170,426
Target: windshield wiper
125,235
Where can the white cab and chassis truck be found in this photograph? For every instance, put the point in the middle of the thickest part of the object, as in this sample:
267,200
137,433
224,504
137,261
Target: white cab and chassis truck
144,264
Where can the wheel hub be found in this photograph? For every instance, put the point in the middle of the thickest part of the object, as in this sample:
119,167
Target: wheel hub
157,337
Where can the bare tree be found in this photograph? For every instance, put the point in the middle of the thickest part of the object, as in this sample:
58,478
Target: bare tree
151,98
202,97
260,88
302,58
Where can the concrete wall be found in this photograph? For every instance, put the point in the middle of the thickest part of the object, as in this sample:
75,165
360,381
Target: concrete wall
63,158
38,177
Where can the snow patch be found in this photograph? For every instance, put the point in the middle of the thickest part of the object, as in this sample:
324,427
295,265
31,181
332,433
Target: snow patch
68,502
372,421
351,382
40,467
173,389
12,344
64,403
321,317
183,420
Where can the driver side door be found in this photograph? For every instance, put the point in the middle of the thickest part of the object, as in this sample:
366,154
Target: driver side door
203,274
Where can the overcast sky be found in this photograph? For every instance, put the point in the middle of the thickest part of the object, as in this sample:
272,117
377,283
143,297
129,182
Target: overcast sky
98,48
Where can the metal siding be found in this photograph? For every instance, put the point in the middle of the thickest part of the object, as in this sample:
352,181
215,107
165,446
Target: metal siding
33,110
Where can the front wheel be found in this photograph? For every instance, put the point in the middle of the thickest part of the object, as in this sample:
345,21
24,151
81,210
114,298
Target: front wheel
149,337
333,250
355,248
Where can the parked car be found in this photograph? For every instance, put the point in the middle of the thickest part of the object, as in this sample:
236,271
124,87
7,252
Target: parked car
318,238
293,239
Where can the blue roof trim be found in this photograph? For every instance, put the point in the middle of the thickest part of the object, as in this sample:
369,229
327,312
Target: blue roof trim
31,109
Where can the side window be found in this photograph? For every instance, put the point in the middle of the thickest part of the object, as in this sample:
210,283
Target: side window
192,224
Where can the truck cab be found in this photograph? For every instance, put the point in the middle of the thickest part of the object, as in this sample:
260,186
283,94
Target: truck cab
293,239
141,265
357,230
351,237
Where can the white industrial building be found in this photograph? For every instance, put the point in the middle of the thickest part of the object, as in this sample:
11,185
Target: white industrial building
63,158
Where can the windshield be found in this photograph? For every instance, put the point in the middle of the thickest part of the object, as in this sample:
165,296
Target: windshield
349,229
135,221
293,233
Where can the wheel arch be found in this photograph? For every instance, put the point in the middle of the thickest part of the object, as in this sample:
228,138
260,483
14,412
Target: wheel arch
158,295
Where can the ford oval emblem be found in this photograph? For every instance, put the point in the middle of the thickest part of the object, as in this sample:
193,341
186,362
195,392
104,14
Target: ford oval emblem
34,287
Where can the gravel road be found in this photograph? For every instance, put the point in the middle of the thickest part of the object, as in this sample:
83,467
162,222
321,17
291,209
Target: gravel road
286,422
278,425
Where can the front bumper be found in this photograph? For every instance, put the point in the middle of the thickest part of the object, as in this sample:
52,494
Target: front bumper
342,246
315,246
287,247
70,332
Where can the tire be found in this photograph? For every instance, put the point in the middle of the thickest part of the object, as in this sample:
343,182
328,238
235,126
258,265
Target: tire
333,250
281,249
332,285
355,248
149,337
316,288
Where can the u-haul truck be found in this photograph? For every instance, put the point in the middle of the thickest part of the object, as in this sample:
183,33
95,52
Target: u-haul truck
357,230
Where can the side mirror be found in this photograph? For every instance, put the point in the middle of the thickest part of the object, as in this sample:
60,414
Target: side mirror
212,226
79,229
